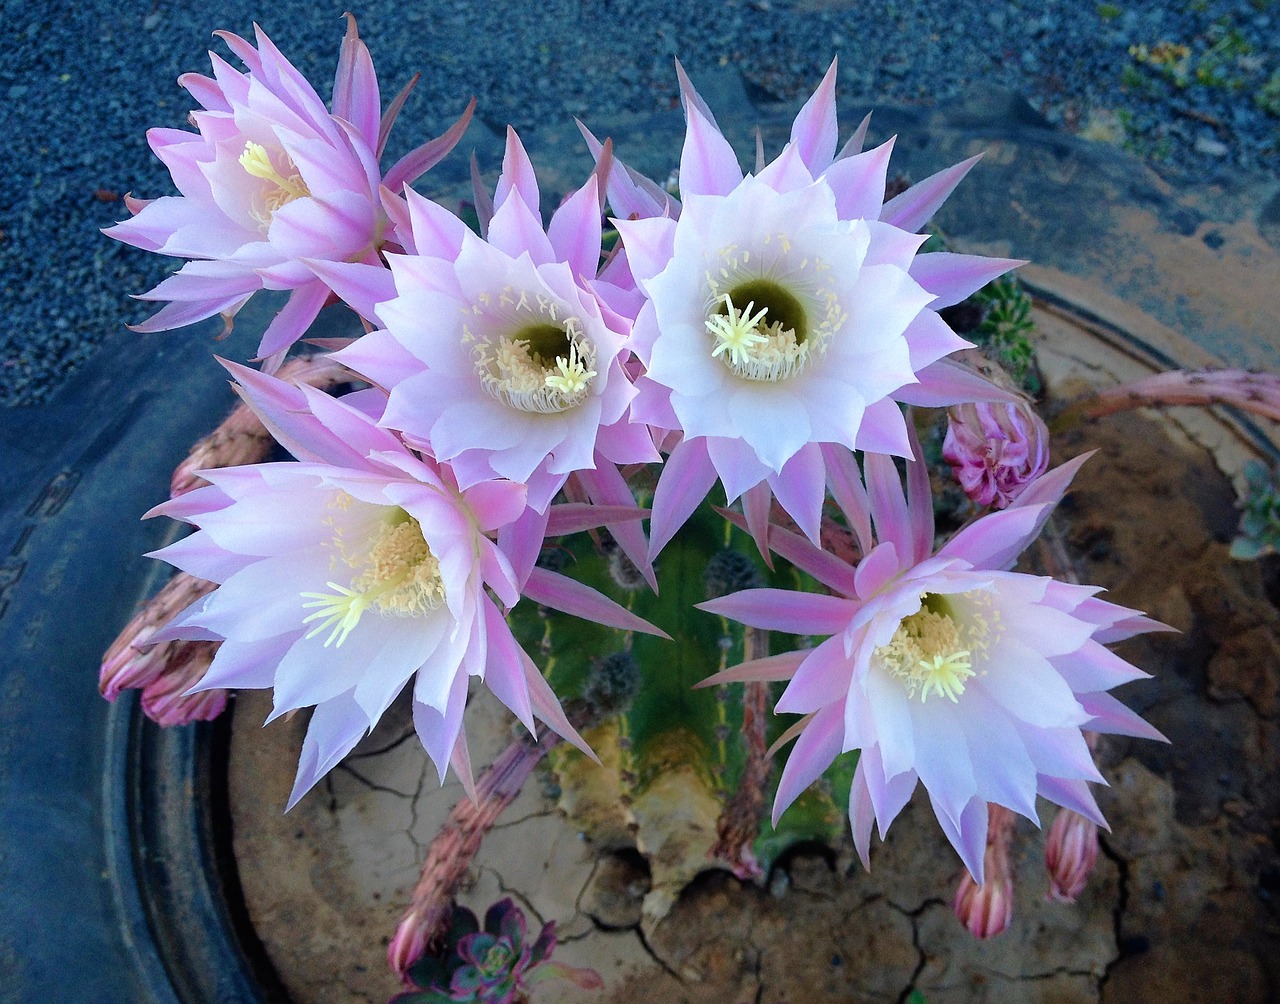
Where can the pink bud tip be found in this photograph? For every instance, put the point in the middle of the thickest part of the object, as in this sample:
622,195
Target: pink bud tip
407,945
1070,852
987,909
163,672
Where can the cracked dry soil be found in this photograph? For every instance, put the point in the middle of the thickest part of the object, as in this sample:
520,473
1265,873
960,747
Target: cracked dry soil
1182,905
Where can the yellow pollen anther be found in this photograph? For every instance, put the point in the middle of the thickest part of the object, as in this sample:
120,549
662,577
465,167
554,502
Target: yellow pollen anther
944,675
573,374
341,610
545,365
793,309
396,573
258,163
927,654
736,332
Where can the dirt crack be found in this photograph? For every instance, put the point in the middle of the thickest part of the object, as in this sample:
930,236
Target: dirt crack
346,768
540,814
515,894
418,846
364,754
1122,904
653,954
922,960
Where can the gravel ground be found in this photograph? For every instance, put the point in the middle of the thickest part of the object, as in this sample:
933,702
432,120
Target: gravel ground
1193,88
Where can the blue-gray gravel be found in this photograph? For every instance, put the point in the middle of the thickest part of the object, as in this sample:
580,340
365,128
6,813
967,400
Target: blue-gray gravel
83,82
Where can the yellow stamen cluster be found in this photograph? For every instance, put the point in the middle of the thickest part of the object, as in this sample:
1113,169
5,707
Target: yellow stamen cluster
747,340
737,332
396,574
573,375
927,653
524,373
283,188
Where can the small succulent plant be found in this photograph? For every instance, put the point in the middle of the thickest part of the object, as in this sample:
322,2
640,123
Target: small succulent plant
1260,513
1005,331
493,965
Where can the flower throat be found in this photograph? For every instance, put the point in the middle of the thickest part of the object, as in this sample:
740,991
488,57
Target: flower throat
397,575
763,329
545,365
927,653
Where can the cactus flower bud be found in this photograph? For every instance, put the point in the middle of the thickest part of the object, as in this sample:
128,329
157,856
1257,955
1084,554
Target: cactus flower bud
987,909
415,929
1070,852
995,449
165,699
165,671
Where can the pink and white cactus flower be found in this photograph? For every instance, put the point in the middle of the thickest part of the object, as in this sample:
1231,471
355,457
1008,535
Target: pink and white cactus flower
360,567
787,313
943,668
272,177
498,354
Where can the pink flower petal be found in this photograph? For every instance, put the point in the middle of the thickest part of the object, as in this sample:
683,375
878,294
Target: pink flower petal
768,669
951,277
708,165
517,176
915,207
816,749
418,161
814,131
947,382
783,610
355,86
859,182
572,597
800,488
686,478
335,728
574,231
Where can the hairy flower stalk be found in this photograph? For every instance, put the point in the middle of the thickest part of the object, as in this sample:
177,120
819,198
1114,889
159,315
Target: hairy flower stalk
164,671
453,849
1258,393
739,822
455,846
986,908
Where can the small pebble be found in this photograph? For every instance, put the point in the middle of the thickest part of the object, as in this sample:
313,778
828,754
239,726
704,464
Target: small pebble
1211,147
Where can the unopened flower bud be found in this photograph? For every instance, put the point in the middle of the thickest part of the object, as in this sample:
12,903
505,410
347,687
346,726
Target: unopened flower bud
164,672
995,449
409,943
165,699
1070,852
987,909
